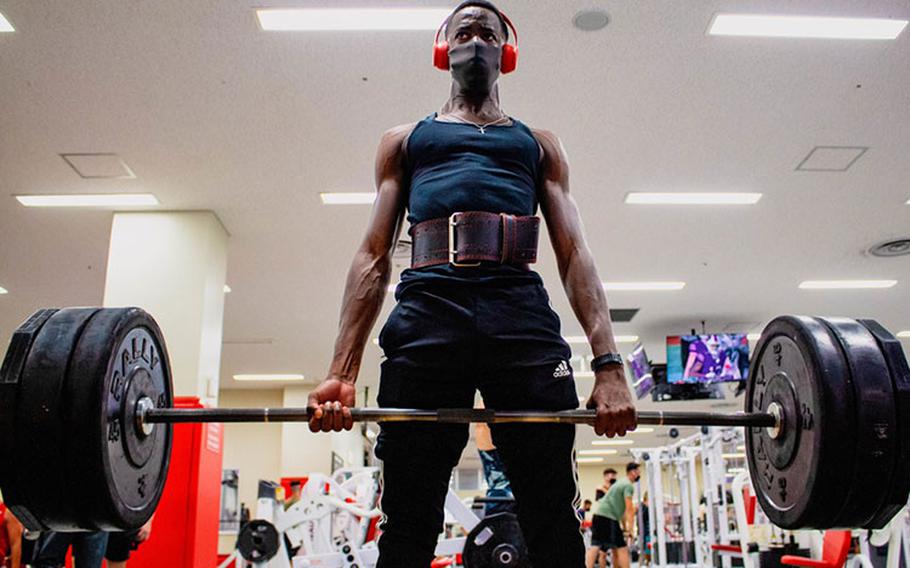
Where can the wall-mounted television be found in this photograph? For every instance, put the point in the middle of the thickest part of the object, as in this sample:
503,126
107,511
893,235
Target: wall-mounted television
710,358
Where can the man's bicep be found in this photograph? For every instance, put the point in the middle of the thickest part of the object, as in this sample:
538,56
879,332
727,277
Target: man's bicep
388,208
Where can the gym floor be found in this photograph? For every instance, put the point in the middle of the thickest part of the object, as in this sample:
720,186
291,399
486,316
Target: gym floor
798,144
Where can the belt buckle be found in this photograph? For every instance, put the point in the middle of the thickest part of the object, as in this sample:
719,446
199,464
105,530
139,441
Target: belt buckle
452,251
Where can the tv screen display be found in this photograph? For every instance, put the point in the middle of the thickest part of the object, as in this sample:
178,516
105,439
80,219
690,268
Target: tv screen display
711,358
640,367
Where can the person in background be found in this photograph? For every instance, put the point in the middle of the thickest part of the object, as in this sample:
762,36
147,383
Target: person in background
609,480
10,539
494,473
619,513
88,549
120,544
296,488
645,531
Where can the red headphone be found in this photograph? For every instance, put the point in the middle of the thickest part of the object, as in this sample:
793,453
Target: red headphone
509,51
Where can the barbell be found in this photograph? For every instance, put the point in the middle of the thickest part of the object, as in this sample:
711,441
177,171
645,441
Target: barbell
86,413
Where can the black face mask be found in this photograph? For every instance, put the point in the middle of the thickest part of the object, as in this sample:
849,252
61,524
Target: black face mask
475,65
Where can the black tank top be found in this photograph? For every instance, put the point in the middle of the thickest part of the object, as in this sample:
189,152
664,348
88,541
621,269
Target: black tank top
454,167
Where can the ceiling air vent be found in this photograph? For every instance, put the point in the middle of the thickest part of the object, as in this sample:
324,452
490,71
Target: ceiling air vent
623,315
893,247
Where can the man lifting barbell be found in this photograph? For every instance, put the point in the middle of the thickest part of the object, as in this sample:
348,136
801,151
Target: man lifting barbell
86,397
471,315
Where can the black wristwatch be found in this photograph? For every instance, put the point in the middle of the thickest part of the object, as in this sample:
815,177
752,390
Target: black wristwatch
606,359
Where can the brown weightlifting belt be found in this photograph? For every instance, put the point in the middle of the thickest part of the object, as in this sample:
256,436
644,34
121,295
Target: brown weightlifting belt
474,237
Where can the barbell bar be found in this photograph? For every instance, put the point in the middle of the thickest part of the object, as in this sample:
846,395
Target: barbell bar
86,414
448,415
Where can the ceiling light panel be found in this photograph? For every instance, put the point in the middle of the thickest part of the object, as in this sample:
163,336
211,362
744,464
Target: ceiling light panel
89,200
588,460
845,284
692,198
643,286
756,25
598,452
904,334
348,198
350,19
3,291
269,378
612,443
5,25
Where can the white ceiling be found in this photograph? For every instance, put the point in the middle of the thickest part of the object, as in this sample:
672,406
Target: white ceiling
212,113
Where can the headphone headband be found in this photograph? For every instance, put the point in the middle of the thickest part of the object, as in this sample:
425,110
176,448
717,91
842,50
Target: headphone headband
445,25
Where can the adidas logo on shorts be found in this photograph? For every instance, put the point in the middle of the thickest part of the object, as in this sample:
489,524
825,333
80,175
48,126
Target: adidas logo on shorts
562,370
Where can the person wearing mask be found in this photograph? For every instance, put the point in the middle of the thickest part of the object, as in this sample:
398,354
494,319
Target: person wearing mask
617,509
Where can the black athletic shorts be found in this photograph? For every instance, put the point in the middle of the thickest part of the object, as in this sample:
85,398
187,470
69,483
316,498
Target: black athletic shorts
120,544
606,533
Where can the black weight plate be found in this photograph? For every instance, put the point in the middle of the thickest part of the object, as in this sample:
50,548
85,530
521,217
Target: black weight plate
497,542
258,541
38,490
876,424
118,472
899,488
807,491
10,376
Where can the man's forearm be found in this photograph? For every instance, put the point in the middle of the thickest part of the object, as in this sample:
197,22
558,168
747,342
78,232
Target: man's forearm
586,295
364,292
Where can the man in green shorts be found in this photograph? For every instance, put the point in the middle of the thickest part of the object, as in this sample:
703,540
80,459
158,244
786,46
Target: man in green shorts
617,515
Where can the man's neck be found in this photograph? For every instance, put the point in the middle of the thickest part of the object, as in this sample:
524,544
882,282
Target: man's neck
480,107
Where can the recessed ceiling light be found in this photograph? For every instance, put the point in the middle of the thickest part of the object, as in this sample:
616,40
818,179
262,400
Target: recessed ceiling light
348,198
597,452
89,200
753,336
805,26
267,378
589,460
227,289
845,284
642,286
3,291
591,20
641,430
736,456
581,339
736,470
347,19
678,198
903,333
612,443
5,25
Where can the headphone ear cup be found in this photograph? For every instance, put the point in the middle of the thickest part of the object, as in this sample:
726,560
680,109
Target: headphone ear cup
441,55
509,58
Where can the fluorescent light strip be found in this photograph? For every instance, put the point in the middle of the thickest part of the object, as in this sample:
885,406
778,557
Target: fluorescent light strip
581,339
662,198
589,460
641,430
5,25
736,456
642,286
753,336
227,289
597,452
735,470
349,198
815,27
845,284
348,19
741,448
89,200
268,378
3,291
612,443
903,333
